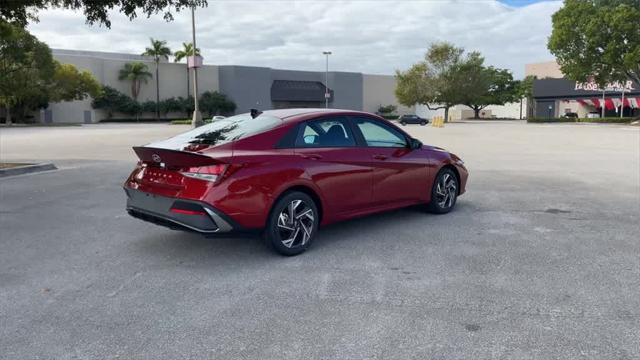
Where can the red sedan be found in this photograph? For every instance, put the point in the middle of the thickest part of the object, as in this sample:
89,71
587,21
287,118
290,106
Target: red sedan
285,172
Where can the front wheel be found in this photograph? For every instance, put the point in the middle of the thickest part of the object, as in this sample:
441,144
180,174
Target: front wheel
444,192
423,122
403,123
292,224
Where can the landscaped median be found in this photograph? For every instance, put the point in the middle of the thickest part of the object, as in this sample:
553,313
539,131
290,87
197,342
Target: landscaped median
11,169
606,120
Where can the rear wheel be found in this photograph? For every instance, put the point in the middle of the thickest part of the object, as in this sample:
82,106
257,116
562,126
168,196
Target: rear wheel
292,224
444,192
403,123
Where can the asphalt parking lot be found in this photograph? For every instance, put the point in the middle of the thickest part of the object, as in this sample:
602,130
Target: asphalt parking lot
540,260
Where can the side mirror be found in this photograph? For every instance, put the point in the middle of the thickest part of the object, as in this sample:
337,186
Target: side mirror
415,144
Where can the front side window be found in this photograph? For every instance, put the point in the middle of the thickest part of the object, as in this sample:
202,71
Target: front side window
333,132
378,135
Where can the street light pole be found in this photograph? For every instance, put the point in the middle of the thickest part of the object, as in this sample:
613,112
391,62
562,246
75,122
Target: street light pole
326,80
197,116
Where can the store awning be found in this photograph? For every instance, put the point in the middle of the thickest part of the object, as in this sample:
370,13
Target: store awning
612,103
303,91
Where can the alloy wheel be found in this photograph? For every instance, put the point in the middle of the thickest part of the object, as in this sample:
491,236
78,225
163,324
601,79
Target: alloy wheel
446,190
295,224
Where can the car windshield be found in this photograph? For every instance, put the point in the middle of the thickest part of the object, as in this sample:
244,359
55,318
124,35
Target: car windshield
220,132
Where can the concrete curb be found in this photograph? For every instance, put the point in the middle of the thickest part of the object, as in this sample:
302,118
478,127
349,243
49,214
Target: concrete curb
28,169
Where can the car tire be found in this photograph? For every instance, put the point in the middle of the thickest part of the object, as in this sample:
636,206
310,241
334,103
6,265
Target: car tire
292,235
403,123
423,123
443,202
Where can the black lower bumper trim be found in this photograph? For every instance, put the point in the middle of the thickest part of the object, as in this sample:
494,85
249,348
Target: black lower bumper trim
157,209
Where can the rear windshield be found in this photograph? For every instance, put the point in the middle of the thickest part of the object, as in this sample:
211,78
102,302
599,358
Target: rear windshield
220,132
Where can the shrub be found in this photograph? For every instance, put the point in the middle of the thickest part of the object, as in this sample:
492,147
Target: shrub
389,109
148,106
111,100
550,120
213,103
186,104
606,120
181,122
131,107
171,105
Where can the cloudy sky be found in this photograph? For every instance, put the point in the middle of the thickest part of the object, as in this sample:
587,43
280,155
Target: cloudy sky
365,36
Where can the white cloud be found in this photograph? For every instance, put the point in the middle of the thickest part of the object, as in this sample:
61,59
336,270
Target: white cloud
365,36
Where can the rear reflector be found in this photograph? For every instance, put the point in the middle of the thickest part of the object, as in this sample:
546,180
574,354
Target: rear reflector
207,173
187,212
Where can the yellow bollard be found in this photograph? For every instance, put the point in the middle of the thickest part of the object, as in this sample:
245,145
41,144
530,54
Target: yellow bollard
437,121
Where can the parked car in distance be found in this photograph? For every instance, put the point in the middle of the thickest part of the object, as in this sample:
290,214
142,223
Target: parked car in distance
283,173
412,119
218,117
570,115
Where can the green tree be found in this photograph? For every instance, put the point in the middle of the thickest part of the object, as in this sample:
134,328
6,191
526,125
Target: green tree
30,78
70,84
599,38
214,103
525,91
26,69
432,82
21,12
158,50
137,73
187,50
481,86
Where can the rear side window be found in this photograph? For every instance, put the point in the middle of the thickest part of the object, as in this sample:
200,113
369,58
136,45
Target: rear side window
333,132
221,131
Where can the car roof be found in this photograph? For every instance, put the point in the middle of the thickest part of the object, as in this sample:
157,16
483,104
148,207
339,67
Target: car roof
304,113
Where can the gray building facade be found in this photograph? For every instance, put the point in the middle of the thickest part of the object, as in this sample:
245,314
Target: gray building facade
248,86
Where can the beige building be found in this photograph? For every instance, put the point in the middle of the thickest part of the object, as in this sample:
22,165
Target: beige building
543,70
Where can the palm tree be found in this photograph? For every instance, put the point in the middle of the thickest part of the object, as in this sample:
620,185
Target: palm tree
157,50
187,50
136,72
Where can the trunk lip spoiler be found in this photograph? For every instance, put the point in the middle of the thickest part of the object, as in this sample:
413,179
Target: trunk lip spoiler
144,147
154,155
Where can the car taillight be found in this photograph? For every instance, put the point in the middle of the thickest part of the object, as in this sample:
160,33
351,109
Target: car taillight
208,173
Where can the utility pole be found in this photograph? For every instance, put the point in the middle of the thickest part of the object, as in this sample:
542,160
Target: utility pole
326,80
197,116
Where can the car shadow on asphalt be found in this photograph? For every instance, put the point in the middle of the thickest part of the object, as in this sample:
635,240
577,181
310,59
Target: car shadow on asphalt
386,226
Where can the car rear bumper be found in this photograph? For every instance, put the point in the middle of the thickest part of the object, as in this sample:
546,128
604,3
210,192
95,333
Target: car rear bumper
179,214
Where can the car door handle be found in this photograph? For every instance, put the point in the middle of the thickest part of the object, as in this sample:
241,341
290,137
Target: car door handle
380,157
311,156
